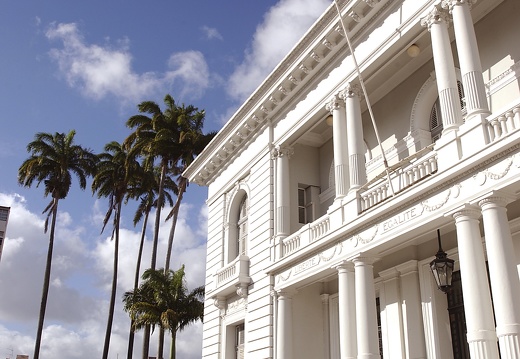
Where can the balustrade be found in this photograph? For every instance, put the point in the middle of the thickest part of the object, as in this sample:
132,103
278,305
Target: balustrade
504,124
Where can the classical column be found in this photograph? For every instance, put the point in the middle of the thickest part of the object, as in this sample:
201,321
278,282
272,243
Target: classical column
503,274
469,58
366,316
347,310
325,305
415,345
437,24
393,324
339,137
480,325
284,341
356,148
283,216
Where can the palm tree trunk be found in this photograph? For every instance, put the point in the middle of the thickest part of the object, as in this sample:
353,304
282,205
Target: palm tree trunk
175,211
160,350
131,334
160,199
46,281
172,345
182,188
108,332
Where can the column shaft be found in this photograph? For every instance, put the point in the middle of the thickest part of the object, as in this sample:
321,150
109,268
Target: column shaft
477,298
339,137
469,59
283,218
504,275
437,23
366,316
347,311
356,148
284,342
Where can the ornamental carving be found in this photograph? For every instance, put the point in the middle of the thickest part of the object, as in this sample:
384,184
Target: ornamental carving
450,4
350,91
334,104
436,16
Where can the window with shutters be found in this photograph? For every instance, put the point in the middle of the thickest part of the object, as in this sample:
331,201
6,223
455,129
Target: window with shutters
241,238
239,341
436,115
237,227
308,202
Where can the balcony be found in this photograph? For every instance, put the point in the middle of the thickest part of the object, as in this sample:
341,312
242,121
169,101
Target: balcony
233,277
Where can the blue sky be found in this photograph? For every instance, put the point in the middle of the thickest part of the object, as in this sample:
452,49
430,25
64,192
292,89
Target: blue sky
85,65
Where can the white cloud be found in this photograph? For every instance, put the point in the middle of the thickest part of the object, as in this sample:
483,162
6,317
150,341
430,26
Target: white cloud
81,276
99,71
211,33
284,24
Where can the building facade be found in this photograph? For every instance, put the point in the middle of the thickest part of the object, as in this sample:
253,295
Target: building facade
4,216
328,185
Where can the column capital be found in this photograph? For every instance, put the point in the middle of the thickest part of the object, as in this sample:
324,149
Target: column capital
471,213
285,293
466,210
325,298
343,266
436,16
334,103
450,4
494,201
350,91
282,151
363,259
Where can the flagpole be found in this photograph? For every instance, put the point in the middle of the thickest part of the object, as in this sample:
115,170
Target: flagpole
362,83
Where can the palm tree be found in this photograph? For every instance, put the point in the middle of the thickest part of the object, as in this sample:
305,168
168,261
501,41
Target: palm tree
146,192
163,299
155,137
53,160
117,172
191,143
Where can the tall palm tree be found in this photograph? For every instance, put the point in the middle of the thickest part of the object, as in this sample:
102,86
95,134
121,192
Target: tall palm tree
155,137
163,299
146,192
191,143
117,172
53,160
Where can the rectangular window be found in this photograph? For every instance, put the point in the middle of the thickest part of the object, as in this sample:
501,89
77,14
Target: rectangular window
4,213
379,332
239,341
302,213
308,201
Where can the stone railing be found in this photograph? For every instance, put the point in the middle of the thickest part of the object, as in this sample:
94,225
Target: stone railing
504,124
233,275
306,235
398,178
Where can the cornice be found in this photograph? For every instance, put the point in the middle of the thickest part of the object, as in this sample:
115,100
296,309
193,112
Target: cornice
322,42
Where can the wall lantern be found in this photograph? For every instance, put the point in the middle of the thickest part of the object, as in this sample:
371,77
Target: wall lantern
442,268
413,50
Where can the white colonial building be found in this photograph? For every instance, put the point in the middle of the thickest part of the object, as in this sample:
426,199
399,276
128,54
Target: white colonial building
327,187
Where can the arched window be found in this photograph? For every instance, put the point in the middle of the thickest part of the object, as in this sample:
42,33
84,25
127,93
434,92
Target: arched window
237,226
241,236
436,116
